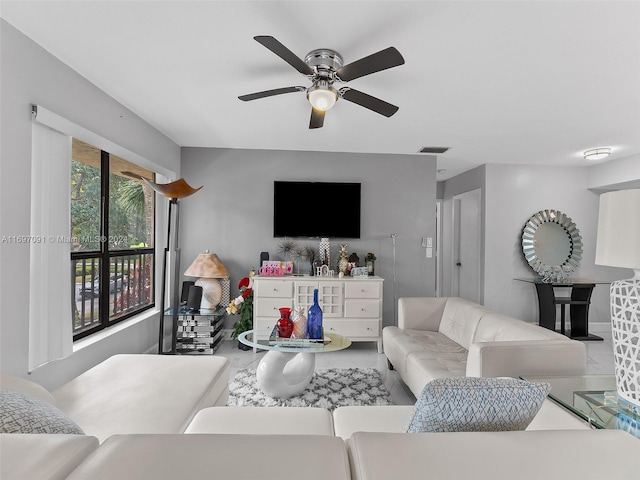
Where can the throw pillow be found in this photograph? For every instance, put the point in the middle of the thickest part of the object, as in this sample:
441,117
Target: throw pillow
24,413
474,404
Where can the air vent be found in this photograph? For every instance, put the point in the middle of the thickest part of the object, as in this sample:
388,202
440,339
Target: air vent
433,149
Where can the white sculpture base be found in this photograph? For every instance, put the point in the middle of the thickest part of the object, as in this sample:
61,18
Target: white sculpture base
285,375
625,327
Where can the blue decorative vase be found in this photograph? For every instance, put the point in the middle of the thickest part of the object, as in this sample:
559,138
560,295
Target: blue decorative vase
314,319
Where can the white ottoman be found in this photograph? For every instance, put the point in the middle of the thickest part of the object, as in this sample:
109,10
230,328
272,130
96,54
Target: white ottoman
263,420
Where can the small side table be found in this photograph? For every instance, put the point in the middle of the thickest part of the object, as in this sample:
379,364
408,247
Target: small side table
198,332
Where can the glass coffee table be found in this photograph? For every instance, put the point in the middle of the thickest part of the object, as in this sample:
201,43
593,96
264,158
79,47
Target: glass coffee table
286,369
594,399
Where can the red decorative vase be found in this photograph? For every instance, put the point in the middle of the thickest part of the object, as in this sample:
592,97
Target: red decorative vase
285,325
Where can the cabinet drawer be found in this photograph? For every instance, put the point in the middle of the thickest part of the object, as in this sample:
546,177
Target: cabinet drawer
353,328
362,308
264,324
270,307
355,289
275,288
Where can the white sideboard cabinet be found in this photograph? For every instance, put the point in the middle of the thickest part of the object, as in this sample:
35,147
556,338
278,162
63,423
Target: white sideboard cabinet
350,306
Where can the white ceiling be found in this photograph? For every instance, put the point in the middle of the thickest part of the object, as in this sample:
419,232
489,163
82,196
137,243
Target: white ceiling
523,82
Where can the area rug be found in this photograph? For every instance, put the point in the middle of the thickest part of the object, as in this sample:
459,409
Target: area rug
330,388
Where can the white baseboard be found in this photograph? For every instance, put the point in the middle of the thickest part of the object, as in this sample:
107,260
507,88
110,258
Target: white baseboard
599,327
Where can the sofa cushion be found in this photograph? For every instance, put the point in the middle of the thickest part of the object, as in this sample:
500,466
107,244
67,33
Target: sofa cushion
530,455
24,413
263,420
400,344
423,367
494,327
395,418
469,404
179,456
144,393
460,320
26,386
371,418
51,457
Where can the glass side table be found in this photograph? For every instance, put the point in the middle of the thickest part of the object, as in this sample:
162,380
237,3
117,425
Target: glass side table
594,399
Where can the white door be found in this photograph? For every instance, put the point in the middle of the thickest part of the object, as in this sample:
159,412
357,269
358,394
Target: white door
465,275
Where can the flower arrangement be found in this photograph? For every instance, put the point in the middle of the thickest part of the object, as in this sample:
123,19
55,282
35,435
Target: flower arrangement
243,306
370,257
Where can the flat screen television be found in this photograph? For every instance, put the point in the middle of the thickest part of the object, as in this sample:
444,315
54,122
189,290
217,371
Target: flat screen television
316,209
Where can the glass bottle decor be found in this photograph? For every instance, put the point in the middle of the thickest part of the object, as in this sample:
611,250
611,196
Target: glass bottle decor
299,323
285,325
314,319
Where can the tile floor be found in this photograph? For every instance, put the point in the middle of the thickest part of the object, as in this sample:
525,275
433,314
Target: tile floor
365,355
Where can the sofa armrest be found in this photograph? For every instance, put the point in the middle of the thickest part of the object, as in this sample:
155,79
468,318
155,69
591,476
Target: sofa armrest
526,357
420,313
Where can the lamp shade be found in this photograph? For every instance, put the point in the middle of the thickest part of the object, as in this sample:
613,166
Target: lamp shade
207,265
178,189
618,243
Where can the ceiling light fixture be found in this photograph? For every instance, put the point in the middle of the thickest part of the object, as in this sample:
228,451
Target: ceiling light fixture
322,96
597,153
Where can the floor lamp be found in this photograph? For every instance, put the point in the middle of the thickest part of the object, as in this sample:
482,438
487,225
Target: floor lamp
174,191
618,245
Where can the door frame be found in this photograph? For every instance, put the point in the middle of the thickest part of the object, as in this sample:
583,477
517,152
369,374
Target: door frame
456,204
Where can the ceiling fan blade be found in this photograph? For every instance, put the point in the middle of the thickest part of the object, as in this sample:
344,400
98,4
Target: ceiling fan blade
270,93
367,101
284,53
376,62
317,118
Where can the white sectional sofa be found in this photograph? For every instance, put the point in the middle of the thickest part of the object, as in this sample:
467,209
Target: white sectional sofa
358,443
450,337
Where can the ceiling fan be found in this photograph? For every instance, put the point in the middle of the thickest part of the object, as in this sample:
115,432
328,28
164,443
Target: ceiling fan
324,67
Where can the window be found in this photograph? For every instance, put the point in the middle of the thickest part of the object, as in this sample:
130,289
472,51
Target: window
112,239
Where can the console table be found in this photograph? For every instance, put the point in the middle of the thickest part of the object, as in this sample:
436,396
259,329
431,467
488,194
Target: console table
350,305
579,299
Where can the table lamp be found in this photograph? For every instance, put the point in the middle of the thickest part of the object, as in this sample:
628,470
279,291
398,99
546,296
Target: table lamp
618,245
208,268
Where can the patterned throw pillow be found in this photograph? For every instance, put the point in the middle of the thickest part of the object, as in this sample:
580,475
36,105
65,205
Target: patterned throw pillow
474,404
24,413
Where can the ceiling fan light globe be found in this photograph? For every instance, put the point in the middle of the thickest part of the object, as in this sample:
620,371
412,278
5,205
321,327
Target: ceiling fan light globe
322,98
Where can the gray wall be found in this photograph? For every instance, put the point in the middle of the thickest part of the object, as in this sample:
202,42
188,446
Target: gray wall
29,75
232,215
510,195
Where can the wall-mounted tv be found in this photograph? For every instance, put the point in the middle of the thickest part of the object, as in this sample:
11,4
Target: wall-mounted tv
316,209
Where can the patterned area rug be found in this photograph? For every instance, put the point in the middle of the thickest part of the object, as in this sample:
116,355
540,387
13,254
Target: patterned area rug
330,388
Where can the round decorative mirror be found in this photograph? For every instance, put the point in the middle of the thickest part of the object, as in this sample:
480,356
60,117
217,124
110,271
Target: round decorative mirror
552,245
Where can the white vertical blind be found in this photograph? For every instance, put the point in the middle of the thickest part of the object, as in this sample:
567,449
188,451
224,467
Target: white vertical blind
50,321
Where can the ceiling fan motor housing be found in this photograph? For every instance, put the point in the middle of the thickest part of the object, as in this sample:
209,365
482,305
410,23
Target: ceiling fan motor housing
324,61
